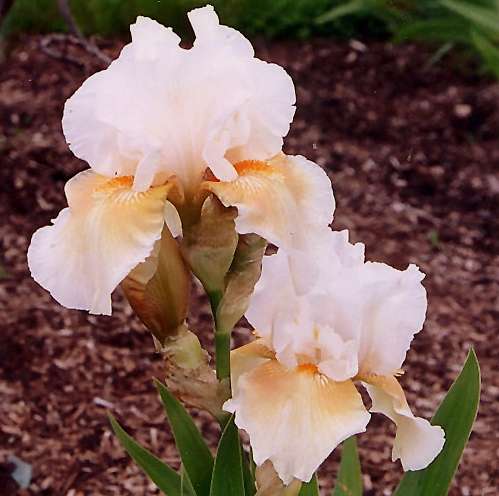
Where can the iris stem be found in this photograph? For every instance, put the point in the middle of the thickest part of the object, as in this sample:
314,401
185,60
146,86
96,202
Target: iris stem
222,352
222,341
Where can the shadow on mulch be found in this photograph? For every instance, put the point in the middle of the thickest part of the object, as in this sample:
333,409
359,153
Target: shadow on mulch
413,153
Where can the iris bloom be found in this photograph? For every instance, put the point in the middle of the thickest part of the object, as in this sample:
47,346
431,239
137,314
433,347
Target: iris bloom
293,388
161,128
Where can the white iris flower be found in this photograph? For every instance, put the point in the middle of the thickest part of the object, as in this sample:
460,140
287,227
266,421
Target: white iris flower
161,128
293,388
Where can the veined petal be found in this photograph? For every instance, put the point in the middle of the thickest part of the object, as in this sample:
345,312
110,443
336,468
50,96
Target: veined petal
417,442
94,243
278,290
295,417
150,38
254,127
273,297
284,200
246,358
316,268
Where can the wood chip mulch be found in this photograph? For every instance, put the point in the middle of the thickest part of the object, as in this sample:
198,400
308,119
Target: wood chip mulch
413,153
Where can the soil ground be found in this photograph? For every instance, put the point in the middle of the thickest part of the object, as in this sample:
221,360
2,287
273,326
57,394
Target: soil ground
413,153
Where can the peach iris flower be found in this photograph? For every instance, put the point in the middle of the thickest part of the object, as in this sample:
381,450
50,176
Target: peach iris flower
161,128
294,387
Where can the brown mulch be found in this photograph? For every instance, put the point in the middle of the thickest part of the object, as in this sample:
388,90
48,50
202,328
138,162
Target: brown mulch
413,152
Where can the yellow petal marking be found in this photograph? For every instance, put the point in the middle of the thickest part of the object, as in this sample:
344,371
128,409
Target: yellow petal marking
282,200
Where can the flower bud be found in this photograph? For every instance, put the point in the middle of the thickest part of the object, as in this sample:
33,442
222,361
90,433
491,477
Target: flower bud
158,289
210,243
241,279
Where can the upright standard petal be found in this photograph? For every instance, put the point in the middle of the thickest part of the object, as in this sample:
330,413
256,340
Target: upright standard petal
378,307
295,417
417,442
274,297
294,322
393,311
106,231
160,109
279,289
286,200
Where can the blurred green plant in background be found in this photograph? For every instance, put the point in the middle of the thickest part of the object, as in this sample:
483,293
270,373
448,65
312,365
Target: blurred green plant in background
293,18
472,25
469,24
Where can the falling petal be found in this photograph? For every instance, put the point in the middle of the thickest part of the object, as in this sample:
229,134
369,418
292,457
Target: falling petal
295,418
161,109
93,244
417,442
286,201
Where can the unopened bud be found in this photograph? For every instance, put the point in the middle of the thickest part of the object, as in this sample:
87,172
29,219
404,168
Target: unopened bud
209,244
158,289
241,279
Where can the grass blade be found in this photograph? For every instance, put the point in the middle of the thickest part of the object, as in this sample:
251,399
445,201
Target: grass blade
185,484
486,18
443,29
488,51
352,7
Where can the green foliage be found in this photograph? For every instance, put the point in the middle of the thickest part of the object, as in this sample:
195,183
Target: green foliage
310,488
186,488
456,415
249,474
196,457
488,51
480,17
161,474
110,17
349,481
106,17
276,18
469,24
228,475
29,15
